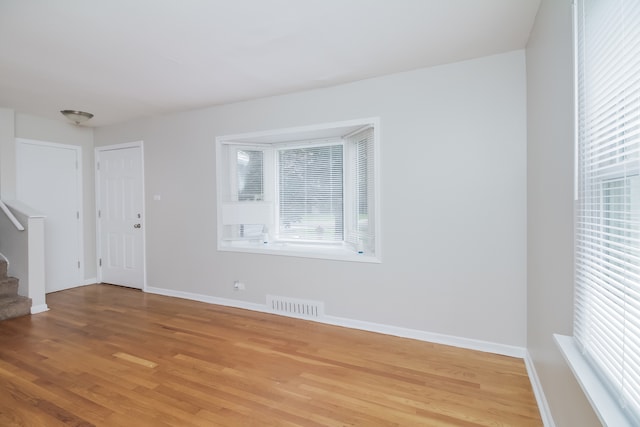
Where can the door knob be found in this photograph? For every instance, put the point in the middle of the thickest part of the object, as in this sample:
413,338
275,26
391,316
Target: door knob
136,226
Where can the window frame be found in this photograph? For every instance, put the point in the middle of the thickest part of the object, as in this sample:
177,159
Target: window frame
270,142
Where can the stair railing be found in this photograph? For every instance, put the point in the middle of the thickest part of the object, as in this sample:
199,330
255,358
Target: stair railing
11,216
22,241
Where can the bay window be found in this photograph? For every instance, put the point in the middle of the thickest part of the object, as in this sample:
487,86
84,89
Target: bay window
310,192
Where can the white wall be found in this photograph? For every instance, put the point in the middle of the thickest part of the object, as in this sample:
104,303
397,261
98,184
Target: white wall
7,154
453,201
550,209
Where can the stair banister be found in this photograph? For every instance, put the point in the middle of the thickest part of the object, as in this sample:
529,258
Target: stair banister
11,216
22,241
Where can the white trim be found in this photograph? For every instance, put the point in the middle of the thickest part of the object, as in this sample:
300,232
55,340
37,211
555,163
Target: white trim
41,308
300,250
377,182
576,102
208,299
432,337
538,391
606,406
124,145
261,137
90,281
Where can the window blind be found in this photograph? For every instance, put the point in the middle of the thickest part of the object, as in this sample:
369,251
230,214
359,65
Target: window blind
310,193
607,249
249,167
361,230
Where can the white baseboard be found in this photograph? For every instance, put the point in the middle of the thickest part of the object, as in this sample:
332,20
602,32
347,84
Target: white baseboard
432,337
207,299
35,309
468,343
543,405
91,281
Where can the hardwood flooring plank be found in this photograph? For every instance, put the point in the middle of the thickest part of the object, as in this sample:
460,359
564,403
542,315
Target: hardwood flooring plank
133,359
112,356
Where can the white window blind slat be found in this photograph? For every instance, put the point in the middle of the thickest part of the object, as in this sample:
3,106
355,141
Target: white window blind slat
607,302
310,193
361,232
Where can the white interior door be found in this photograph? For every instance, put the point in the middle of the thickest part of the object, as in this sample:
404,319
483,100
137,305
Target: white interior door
120,215
49,179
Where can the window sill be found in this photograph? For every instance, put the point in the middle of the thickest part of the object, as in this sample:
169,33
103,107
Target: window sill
603,402
297,250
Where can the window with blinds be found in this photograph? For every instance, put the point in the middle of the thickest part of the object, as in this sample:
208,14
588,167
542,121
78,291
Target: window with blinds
360,149
309,191
249,169
607,249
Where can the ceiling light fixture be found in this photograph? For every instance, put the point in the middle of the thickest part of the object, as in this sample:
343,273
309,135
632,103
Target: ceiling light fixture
76,116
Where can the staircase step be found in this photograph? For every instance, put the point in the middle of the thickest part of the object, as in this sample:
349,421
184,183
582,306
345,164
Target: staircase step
14,306
3,269
8,287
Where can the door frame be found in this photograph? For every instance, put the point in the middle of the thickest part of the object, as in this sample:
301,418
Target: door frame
98,151
82,259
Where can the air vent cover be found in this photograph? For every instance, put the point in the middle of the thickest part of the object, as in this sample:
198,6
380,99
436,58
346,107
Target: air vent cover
293,307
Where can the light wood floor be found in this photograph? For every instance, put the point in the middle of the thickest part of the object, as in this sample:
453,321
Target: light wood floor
111,356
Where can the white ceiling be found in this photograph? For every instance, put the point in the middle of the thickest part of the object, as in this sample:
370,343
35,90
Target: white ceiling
123,59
